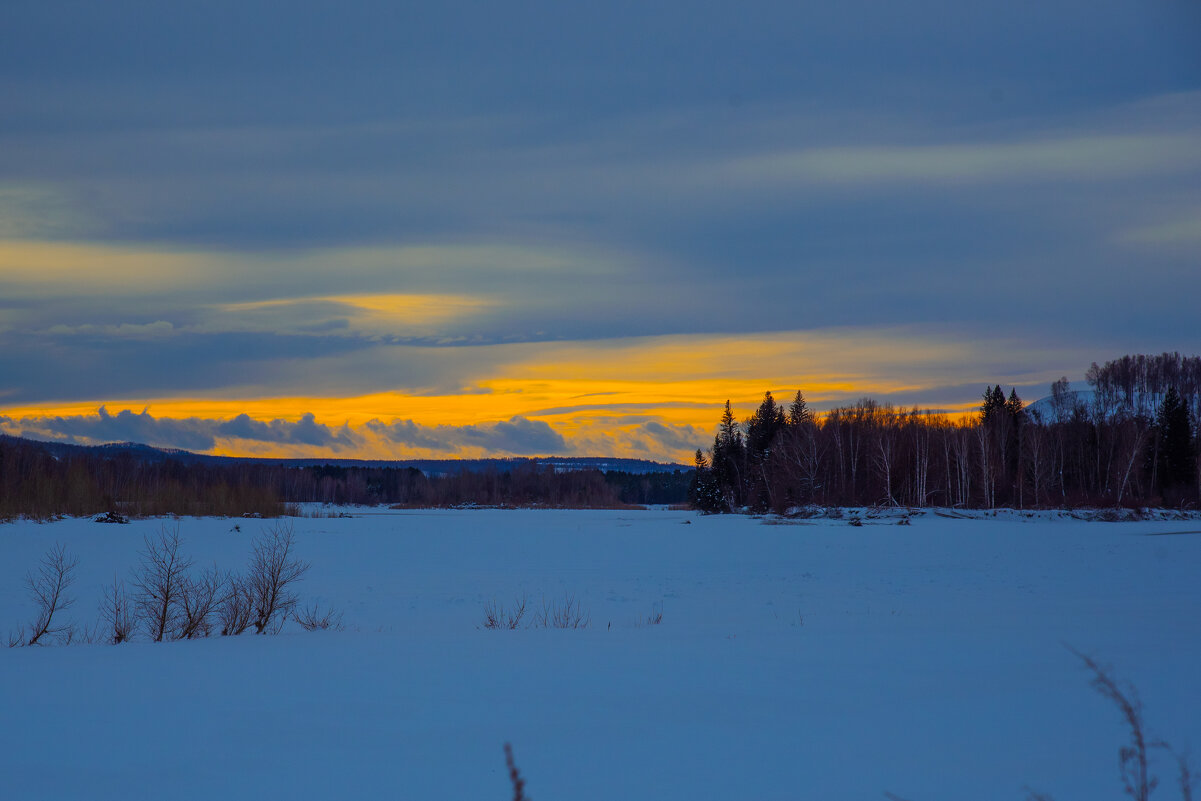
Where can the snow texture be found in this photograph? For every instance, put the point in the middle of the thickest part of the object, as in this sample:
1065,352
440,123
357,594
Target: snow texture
795,659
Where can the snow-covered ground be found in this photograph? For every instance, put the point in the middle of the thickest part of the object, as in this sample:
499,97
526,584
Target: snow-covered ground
795,659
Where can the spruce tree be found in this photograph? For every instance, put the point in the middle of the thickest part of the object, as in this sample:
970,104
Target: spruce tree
1014,405
762,435
993,405
703,492
798,412
1177,457
762,428
729,460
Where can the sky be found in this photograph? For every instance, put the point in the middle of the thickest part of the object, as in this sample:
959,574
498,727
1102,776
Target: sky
396,230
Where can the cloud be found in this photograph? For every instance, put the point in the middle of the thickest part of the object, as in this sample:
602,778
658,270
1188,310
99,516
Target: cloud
32,211
190,433
518,435
1088,158
125,426
1185,231
408,433
159,328
306,431
376,315
675,437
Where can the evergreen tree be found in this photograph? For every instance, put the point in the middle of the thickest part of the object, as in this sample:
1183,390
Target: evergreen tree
1015,417
704,492
993,405
729,460
762,435
1177,467
798,412
762,428
1014,406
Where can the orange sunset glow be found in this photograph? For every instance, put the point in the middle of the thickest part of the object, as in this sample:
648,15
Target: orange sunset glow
647,398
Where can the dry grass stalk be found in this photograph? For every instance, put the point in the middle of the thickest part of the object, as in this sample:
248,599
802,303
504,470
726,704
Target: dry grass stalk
515,776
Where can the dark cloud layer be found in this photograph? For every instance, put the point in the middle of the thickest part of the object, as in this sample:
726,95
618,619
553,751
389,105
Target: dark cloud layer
193,434
125,426
306,431
517,436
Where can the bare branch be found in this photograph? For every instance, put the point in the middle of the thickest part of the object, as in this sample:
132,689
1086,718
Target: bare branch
199,598
48,588
236,610
117,614
496,617
515,776
1184,775
312,619
564,615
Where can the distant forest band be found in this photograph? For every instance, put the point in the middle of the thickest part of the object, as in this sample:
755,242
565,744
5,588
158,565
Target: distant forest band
1131,440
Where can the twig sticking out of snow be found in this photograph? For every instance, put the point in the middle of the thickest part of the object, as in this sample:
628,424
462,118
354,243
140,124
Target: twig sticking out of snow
515,776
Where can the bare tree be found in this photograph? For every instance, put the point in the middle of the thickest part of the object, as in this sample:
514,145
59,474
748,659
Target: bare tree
273,569
199,599
48,589
1134,436
236,609
159,583
117,614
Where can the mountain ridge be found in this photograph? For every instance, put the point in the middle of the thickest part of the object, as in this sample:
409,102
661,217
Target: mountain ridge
431,467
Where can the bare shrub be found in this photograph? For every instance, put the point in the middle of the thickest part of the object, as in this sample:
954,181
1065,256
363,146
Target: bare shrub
235,612
118,616
565,614
497,617
515,776
199,599
48,590
159,584
273,569
656,615
313,619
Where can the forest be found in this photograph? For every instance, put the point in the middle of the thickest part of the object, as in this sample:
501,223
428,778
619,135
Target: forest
37,483
1131,440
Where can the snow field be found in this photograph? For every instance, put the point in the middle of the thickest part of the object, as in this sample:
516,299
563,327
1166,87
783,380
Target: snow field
796,660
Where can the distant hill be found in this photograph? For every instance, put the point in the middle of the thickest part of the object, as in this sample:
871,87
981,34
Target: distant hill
1088,402
1045,410
431,467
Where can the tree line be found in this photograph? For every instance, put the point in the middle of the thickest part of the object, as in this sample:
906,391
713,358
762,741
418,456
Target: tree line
37,483
1132,441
